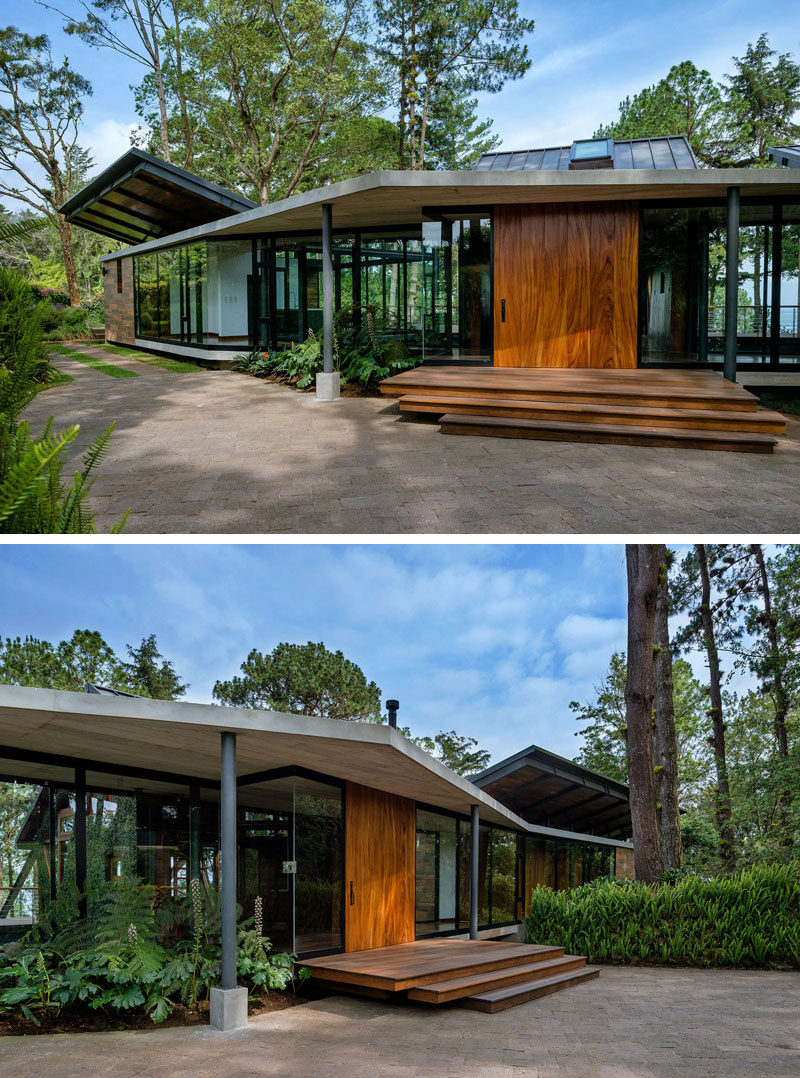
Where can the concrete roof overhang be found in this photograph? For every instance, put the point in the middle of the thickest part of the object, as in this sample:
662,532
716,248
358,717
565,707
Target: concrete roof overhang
399,198
159,746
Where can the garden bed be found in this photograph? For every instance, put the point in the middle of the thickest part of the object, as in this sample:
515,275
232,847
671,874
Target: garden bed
85,1020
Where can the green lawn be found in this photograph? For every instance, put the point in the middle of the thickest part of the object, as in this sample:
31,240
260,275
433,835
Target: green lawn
92,361
57,378
177,366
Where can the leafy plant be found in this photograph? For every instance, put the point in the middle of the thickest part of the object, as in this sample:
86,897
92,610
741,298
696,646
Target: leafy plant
749,919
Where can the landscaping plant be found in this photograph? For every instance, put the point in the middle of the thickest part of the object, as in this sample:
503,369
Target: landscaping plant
750,918
136,948
34,496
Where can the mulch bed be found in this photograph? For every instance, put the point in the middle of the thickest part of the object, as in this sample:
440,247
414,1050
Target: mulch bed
88,1021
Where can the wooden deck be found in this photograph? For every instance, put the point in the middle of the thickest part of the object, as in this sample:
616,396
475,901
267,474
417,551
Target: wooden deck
693,409
483,974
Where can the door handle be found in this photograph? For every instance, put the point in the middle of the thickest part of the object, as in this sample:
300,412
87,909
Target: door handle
352,895
502,310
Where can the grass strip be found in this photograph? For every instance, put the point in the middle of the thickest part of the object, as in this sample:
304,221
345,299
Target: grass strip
177,366
57,378
92,361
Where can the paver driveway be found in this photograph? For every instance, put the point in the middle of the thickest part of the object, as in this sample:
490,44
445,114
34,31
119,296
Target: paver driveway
221,452
631,1022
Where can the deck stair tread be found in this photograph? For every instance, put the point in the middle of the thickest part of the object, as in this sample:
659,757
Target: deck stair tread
676,389
641,415
555,430
403,966
457,987
501,999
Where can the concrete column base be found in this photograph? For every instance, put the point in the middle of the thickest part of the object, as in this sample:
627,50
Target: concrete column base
328,386
228,1008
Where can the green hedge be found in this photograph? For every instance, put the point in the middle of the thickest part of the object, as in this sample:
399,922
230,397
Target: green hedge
749,919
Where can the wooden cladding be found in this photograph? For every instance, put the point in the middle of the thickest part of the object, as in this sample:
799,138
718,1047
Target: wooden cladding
565,278
380,832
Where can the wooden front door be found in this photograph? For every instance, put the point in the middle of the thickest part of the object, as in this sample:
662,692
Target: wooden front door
379,868
565,285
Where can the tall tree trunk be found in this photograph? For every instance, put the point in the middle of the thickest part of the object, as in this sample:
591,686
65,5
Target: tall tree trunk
665,745
186,127
67,253
162,95
642,566
723,799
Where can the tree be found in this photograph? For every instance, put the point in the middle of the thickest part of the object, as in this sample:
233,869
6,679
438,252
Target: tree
271,82
456,138
642,561
85,657
461,754
763,95
665,743
686,101
151,672
41,104
303,679
693,594
104,23
469,43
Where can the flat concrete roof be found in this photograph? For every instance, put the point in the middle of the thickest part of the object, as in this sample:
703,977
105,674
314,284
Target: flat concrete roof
398,198
167,742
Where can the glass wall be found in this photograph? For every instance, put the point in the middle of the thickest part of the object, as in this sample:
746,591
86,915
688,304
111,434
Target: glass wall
563,863
290,855
682,284
436,873
428,286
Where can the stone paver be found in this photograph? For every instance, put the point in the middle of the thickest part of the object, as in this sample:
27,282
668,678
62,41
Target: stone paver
631,1022
220,452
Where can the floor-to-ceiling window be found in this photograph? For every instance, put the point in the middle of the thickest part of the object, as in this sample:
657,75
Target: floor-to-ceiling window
682,281
436,873
290,856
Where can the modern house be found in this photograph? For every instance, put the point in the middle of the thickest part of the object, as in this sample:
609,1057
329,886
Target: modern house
370,857
785,156
616,256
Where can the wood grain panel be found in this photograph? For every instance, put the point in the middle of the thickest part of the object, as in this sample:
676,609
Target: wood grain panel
379,861
568,274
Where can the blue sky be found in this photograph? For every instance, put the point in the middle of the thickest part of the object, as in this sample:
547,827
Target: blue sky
491,640
587,56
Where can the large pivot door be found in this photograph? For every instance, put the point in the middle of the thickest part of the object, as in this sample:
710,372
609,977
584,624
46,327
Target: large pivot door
379,869
565,285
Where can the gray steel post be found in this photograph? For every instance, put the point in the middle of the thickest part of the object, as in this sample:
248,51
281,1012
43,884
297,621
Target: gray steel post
731,284
53,841
474,865
227,843
80,838
327,289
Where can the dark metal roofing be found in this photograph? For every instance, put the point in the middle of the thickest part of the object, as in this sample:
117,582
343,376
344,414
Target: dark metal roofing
106,690
787,156
551,791
667,152
141,197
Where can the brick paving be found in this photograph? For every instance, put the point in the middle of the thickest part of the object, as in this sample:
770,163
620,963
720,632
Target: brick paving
218,452
630,1022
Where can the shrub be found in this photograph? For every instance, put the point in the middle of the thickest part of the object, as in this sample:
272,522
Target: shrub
65,324
367,354
34,498
751,918
136,949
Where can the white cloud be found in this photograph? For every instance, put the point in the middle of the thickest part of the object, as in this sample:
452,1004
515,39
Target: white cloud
107,140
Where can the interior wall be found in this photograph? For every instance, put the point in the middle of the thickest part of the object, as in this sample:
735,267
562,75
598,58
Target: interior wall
380,832
568,276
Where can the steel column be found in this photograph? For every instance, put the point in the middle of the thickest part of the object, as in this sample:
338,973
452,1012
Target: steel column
227,845
775,281
474,865
80,838
327,288
731,284
194,832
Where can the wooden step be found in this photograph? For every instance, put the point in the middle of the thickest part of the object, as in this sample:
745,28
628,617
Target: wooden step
457,987
615,433
500,999
577,387
403,966
763,422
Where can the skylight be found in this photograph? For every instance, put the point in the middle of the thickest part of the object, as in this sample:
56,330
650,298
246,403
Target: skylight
591,149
